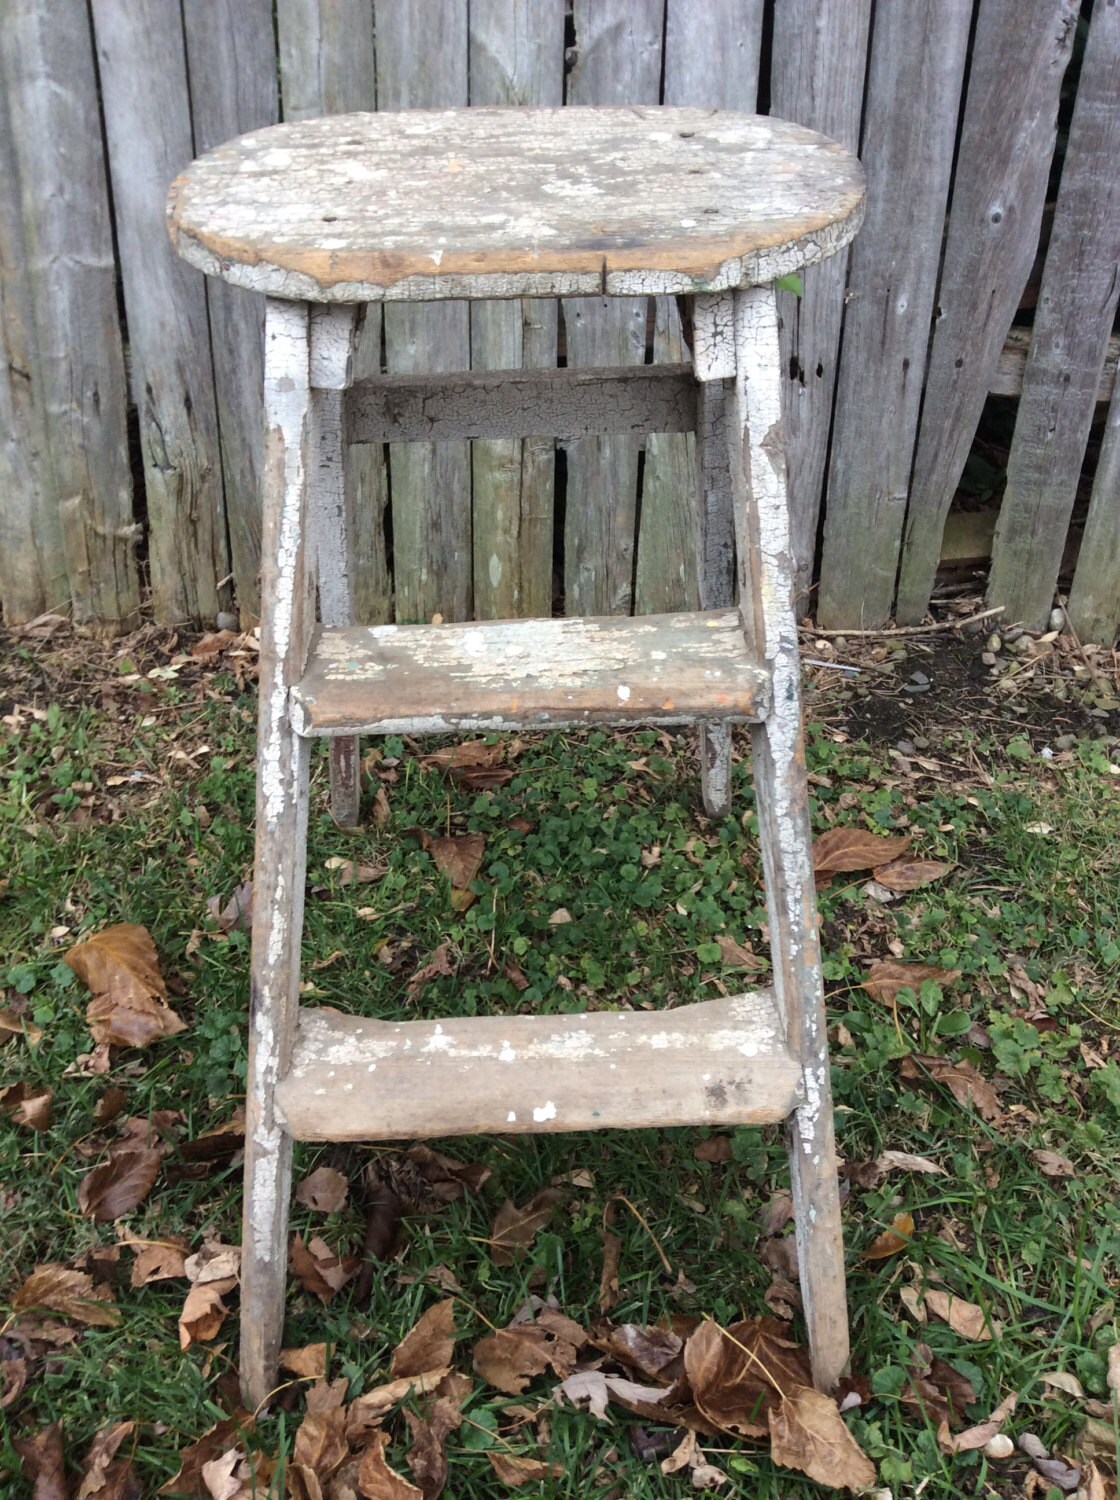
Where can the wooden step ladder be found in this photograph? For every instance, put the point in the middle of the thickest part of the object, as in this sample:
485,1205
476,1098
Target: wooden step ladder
328,214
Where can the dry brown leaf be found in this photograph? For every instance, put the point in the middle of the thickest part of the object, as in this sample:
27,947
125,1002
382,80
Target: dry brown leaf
470,755
214,1262
598,1389
71,1293
1053,1164
352,873
27,1105
841,850
211,1446
109,1105
608,1276
218,1142
647,1350
515,1228
101,1477
808,1433
120,967
737,1374
717,1148
157,1260
367,1412
323,1190
439,964
320,1442
12,1025
736,955
968,1087
892,1240
375,1478
975,1437
962,1317
514,1470
237,914
427,1457
886,977
910,874
204,1312
458,856
43,1462
904,1161
429,1343
320,1271
13,1380
511,1357
444,1175
118,1185
308,1362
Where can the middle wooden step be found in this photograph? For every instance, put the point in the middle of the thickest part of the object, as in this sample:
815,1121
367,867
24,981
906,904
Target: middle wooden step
527,674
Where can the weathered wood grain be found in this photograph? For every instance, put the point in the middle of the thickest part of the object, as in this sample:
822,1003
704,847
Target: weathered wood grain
712,52
1094,600
758,477
1073,321
516,58
143,74
817,78
422,59
231,65
520,674
516,403
665,575
718,1062
999,190
281,856
617,60
51,86
32,562
548,202
1008,377
327,68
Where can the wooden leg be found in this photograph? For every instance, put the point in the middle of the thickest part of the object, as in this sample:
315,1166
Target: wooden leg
287,610
334,331
715,530
782,796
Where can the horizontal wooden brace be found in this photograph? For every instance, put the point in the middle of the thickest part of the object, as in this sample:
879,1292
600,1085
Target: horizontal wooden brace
522,403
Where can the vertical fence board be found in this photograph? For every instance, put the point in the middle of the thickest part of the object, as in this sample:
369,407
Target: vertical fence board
327,67
1094,601
999,189
32,575
1073,320
421,64
51,84
517,58
816,78
711,61
914,81
618,61
142,58
231,67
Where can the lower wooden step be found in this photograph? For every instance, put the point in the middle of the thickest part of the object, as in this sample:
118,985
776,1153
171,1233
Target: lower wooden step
522,674
720,1062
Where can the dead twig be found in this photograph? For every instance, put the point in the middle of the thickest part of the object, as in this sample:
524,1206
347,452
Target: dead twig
889,634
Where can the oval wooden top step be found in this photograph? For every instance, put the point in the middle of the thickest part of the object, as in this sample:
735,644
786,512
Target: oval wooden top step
430,204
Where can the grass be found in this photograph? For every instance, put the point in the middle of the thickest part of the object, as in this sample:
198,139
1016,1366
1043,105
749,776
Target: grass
143,816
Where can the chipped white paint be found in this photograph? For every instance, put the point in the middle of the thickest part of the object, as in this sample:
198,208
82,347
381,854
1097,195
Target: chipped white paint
544,1112
525,673
333,335
713,336
720,1061
642,201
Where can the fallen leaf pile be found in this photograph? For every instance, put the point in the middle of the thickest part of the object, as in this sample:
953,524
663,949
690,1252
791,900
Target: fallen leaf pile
847,850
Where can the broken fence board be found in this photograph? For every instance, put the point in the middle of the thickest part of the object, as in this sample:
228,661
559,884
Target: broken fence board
999,191
87,515
817,76
1094,601
1073,321
516,58
231,64
143,72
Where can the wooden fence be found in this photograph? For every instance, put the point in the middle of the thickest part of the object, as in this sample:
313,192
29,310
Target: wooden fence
130,388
